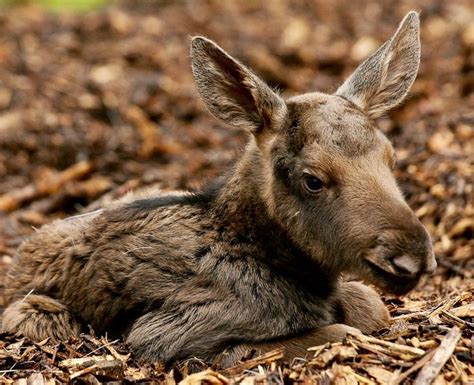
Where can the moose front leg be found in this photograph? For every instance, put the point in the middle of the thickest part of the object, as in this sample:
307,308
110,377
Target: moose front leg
362,307
293,347
362,311
201,330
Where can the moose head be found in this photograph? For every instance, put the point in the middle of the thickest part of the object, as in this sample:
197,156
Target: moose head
323,168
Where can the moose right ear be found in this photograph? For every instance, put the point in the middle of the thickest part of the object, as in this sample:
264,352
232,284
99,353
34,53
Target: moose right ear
231,91
383,80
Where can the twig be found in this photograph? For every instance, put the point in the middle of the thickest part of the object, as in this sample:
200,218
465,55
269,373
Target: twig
423,313
418,365
263,359
80,373
51,184
447,305
441,355
459,369
53,352
391,345
318,349
384,353
105,345
103,368
84,362
457,319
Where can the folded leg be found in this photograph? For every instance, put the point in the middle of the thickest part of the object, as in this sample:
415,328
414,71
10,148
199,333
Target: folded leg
362,311
293,347
362,307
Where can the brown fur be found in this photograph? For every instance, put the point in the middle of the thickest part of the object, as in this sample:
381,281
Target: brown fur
363,310
255,260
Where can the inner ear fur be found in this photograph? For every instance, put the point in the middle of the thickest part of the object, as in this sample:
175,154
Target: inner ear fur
383,80
231,91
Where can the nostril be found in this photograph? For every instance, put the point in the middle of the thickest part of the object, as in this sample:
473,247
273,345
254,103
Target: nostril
431,265
406,264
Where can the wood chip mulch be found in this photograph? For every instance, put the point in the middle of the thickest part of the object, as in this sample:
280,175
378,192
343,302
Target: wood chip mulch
93,105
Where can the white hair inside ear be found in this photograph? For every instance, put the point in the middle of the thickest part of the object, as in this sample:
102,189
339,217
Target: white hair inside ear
383,80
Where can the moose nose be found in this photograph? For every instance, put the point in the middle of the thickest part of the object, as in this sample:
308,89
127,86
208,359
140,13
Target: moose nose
409,266
406,264
415,249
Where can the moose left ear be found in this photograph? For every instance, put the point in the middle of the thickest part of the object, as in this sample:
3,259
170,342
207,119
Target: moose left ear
383,80
231,91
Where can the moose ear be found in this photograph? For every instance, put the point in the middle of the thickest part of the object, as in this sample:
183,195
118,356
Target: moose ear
231,91
383,80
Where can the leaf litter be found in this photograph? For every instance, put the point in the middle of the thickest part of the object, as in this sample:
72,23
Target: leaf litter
95,104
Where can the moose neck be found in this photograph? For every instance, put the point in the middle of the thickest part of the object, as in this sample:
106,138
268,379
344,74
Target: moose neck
243,211
241,200
241,206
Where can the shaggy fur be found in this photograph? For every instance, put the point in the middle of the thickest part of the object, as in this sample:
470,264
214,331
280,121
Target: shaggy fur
255,260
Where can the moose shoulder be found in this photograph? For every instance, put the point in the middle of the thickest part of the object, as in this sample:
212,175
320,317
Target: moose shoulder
255,260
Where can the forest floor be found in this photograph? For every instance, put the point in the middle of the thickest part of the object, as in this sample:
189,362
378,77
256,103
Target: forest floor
95,104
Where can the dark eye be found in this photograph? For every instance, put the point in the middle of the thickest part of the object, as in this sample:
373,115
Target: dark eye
312,184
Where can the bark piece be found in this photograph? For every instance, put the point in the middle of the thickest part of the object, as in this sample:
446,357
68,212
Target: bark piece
440,357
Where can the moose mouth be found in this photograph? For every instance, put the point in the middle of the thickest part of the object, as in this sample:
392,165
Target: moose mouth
389,281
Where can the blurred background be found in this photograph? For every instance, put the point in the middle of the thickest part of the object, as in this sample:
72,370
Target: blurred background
97,98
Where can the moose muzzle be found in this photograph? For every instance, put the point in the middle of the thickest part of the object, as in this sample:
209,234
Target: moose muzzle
400,257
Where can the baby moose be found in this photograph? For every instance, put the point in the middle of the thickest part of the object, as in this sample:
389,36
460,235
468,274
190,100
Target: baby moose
254,261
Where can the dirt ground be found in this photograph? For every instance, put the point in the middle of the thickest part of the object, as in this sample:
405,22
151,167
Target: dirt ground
95,104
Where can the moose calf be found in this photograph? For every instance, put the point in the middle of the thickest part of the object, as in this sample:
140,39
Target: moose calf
254,261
